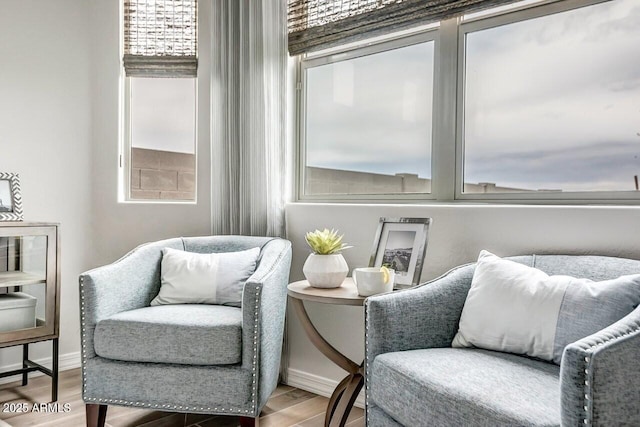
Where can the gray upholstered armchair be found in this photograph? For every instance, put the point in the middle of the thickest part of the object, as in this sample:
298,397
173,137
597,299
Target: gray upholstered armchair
191,358
415,378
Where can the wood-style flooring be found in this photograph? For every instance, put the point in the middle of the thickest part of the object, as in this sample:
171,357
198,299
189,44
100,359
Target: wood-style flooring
287,406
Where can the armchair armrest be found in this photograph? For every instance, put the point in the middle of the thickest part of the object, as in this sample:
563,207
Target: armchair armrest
426,316
129,283
599,376
263,312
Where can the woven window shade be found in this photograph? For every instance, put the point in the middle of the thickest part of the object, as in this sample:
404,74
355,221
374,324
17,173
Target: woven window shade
319,24
160,38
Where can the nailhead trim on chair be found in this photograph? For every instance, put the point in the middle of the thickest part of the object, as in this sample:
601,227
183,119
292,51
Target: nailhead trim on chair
84,336
587,387
366,362
231,411
588,374
255,350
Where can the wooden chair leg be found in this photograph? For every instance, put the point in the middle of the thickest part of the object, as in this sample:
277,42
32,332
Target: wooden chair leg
96,415
249,422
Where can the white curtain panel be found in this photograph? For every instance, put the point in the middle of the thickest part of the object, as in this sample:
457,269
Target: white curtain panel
248,125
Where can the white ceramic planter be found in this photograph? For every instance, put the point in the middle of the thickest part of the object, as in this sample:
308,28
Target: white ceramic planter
325,271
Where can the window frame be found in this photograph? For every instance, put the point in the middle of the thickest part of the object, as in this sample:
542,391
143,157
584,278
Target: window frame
201,82
447,148
331,56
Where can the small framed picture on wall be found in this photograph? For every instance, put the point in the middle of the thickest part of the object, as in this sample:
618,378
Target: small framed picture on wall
401,244
10,197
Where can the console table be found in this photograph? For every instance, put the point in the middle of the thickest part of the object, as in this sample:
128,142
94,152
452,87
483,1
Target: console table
30,293
346,392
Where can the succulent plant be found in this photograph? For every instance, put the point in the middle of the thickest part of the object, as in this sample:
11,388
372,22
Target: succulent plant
325,242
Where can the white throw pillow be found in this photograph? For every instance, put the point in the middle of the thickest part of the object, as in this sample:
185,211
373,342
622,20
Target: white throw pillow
193,278
510,307
514,308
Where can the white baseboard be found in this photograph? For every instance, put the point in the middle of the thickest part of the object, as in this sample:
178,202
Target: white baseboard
316,384
65,362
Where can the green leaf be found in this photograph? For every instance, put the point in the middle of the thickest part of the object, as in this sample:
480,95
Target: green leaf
325,242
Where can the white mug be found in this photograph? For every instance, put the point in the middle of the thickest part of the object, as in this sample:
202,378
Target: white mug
370,280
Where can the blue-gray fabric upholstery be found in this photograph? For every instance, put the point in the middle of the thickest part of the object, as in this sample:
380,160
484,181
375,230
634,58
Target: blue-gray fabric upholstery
603,366
186,334
133,281
587,309
597,383
379,418
474,387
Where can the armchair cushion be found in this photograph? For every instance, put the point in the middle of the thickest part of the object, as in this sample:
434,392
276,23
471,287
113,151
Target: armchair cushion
448,386
187,334
216,278
519,309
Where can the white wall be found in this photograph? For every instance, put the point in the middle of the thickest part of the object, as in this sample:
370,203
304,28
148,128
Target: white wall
59,129
45,136
457,235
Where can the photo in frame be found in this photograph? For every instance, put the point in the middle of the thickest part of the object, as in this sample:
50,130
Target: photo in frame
401,244
10,197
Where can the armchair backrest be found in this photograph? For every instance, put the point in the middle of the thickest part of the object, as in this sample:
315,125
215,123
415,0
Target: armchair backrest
216,244
597,268
592,267
136,276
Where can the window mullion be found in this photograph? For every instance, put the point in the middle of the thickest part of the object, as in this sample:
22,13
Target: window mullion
444,111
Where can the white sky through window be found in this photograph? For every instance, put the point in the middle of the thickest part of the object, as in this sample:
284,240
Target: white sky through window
163,114
373,113
554,102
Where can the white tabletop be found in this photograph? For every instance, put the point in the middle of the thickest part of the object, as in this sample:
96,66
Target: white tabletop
346,294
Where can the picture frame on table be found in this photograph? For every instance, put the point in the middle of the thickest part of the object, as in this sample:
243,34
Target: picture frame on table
401,244
10,197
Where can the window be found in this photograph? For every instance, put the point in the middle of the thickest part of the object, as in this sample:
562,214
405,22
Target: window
162,126
553,103
537,101
160,47
368,122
